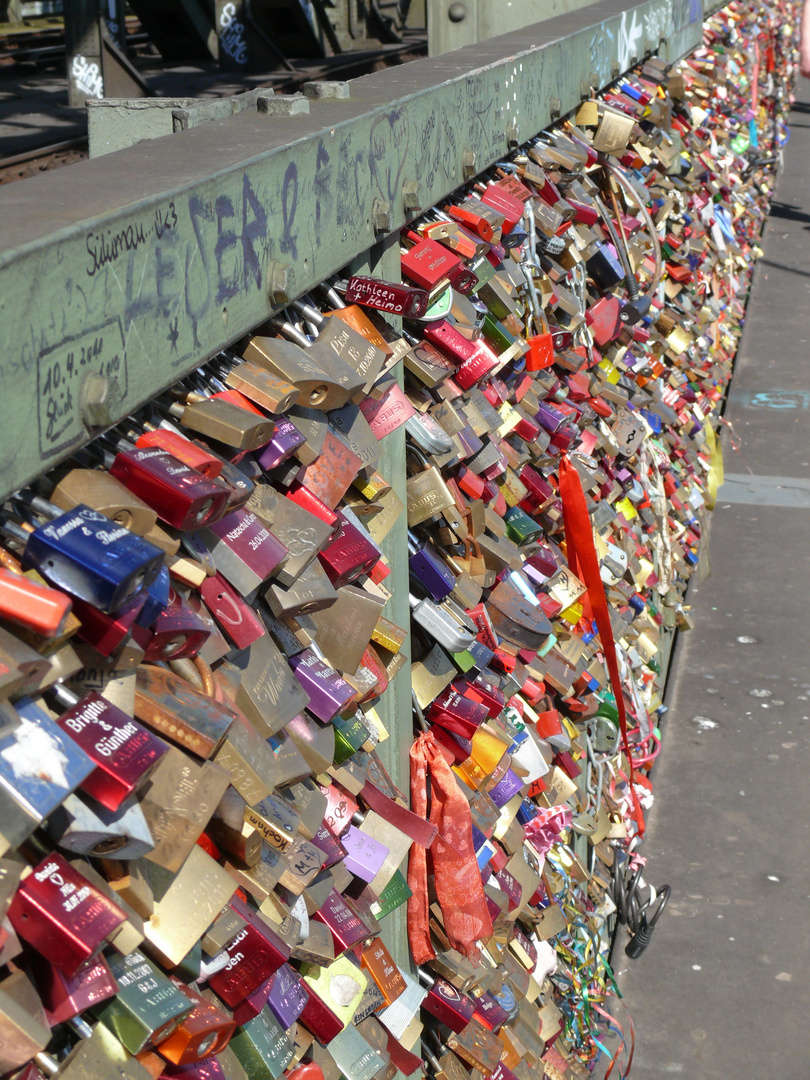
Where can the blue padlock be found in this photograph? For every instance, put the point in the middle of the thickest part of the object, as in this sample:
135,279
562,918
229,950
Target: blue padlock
527,811
157,598
87,555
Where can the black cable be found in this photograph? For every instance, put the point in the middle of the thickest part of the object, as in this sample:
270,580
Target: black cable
639,916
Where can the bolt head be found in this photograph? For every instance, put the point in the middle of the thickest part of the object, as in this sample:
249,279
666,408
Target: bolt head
99,400
280,282
382,219
410,195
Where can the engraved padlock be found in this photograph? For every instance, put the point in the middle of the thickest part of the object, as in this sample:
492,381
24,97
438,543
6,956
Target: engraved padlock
288,360
427,493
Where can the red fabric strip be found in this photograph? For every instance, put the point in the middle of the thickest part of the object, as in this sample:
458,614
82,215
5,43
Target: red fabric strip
419,830
456,876
583,560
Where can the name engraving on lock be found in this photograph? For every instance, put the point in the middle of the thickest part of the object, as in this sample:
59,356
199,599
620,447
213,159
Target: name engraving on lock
342,345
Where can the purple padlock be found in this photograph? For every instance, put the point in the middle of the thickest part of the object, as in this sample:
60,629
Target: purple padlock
286,440
328,693
287,997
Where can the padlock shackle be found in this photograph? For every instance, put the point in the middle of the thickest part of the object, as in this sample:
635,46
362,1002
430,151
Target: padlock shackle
419,454
309,312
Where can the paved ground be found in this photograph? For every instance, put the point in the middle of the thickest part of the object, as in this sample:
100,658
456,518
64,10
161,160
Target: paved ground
724,989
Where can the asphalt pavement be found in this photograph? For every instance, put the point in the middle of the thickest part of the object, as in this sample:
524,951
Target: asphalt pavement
723,991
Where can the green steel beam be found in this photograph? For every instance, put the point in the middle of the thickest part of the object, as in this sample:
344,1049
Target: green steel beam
395,706
452,25
120,274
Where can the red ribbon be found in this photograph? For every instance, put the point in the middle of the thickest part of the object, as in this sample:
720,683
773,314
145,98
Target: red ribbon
584,562
456,876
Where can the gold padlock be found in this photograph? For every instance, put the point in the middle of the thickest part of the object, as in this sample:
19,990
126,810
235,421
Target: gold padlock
427,493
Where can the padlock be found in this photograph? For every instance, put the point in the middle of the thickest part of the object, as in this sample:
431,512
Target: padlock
457,714
260,386
166,436
353,351
36,607
481,218
318,387
507,197
348,555
262,1047
388,410
101,491
312,591
64,998
123,752
87,828
254,954
21,667
395,299
328,693
181,496
286,998
451,235
332,472
497,294
441,625
345,926
203,1032
372,328
427,364
427,493
314,427
450,341
448,1005
432,573
81,552
344,629
176,632
69,938
285,441
231,833
267,693
215,417
428,434
429,264
352,426
244,550
172,707
147,1007
477,1046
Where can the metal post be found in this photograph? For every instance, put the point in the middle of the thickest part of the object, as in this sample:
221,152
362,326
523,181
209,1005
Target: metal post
232,35
383,260
11,11
114,16
83,51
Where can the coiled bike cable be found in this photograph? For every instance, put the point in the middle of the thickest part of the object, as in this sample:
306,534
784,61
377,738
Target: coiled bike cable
639,916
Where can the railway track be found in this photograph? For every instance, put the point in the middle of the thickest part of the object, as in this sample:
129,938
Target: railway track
346,65
41,159
41,44
54,155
